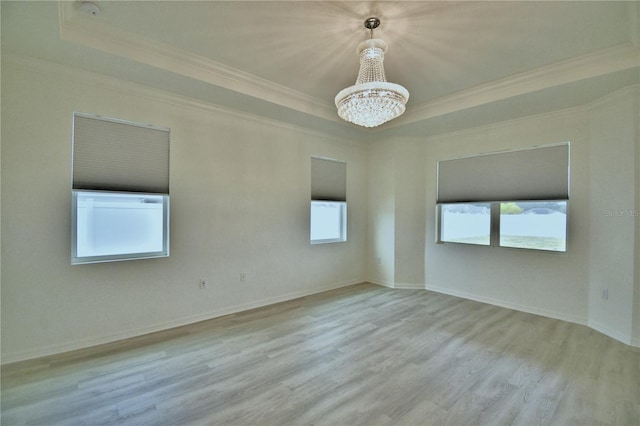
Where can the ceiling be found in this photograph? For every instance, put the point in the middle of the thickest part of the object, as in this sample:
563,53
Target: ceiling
464,63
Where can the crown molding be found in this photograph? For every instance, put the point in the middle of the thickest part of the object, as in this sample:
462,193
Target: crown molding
632,92
77,28
617,58
46,68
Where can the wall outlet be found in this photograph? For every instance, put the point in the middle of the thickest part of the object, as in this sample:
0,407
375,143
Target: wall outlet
203,283
605,294
378,260
243,276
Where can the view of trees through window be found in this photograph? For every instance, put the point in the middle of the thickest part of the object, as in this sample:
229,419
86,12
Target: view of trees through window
538,225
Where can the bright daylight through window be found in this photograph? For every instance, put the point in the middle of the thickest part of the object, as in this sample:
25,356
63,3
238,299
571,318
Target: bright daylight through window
537,225
120,224
120,190
466,223
515,199
540,225
328,221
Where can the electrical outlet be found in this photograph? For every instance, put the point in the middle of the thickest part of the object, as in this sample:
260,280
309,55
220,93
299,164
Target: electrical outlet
378,260
605,294
203,283
243,276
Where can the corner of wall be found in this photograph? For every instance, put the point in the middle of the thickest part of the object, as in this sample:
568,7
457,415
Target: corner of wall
614,242
381,215
635,340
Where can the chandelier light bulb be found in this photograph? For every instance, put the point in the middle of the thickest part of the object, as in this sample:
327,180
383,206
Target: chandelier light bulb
372,101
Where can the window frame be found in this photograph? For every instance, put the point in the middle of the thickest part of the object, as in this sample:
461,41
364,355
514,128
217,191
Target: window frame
328,184
440,218
494,230
343,222
79,260
115,156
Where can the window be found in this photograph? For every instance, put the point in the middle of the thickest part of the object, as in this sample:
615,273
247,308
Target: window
120,190
328,221
112,225
535,225
328,218
466,223
515,199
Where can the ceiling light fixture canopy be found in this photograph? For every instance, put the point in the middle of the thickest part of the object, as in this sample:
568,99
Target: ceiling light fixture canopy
372,100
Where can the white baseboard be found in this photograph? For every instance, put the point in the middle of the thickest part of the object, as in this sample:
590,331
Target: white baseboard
621,337
627,340
510,305
382,283
409,286
86,343
403,286
80,344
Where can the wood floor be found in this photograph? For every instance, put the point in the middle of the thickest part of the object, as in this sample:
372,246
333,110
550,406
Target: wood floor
362,355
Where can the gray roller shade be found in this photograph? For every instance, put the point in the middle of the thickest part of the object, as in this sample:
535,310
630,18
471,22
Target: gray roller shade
328,179
115,155
540,173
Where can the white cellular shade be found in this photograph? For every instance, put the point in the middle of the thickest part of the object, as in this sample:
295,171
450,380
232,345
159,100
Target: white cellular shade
540,173
119,156
328,179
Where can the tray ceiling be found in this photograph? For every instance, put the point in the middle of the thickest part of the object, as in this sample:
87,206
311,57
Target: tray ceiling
295,56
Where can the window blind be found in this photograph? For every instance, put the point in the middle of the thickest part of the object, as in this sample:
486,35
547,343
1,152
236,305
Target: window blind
540,173
328,179
115,155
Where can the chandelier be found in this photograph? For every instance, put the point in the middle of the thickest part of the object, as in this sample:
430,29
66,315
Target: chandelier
372,100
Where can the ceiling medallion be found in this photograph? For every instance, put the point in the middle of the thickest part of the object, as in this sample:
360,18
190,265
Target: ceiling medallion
372,101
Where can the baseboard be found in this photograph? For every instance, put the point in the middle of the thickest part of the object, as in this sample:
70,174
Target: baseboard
403,286
381,283
81,344
621,337
87,343
409,286
627,340
509,305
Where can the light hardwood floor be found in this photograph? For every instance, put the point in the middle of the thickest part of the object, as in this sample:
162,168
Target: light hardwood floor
363,355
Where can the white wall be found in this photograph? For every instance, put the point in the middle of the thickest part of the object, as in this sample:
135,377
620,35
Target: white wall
381,216
636,298
551,284
240,192
240,203
395,230
614,218
602,252
410,178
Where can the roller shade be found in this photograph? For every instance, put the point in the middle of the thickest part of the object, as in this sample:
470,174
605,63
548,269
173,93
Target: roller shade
328,179
115,155
540,173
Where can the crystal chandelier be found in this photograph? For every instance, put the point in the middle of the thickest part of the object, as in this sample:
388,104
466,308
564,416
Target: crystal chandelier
372,100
